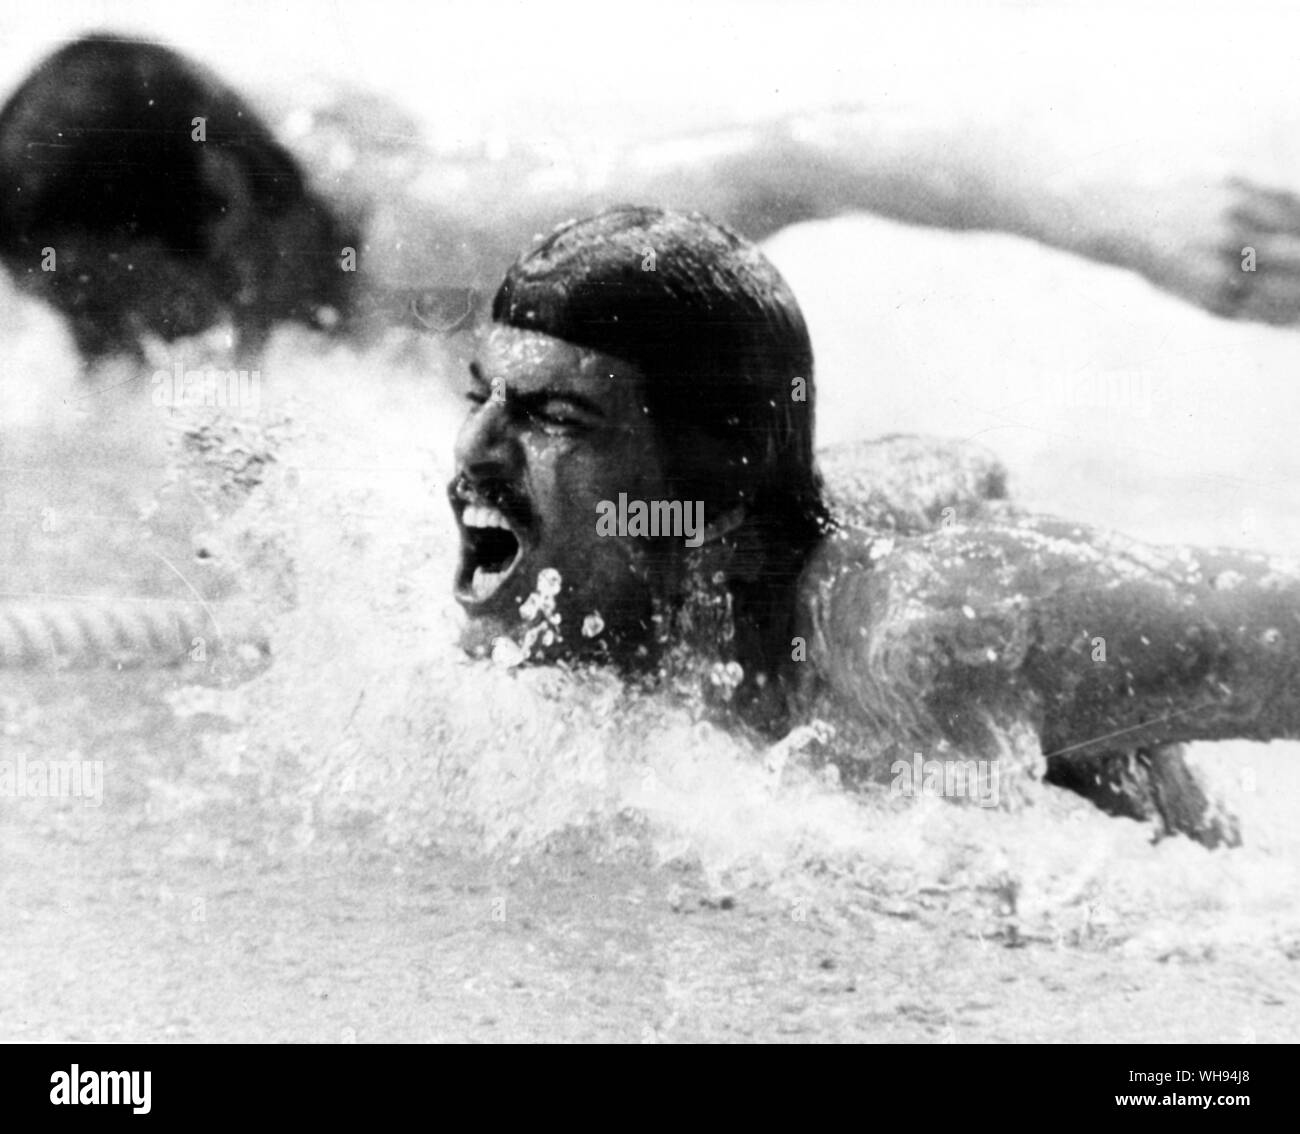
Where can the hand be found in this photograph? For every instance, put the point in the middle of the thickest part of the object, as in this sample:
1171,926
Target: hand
1231,248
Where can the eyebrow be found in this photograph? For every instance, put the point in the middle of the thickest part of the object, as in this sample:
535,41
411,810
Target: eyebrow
534,398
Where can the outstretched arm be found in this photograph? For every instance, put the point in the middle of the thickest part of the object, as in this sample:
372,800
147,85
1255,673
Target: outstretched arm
1188,236
1097,642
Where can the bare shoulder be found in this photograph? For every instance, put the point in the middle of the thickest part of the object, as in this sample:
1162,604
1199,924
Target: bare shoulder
911,483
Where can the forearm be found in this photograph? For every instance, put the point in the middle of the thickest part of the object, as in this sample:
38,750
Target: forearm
1206,646
917,167
942,171
922,167
1095,642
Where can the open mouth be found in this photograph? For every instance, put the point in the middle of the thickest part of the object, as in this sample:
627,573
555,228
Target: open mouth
490,551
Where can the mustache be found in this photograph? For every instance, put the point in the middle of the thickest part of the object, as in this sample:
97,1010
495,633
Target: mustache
508,498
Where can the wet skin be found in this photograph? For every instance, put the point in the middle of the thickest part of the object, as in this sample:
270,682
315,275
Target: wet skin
553,429
946,639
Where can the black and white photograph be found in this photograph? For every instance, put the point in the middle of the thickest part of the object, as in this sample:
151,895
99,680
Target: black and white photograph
705,522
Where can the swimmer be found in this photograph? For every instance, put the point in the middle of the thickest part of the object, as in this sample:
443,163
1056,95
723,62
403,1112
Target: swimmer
601,382
117,210
142,197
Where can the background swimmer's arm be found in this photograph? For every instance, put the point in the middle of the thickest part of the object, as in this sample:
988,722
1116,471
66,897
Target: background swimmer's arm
949,168
1185,236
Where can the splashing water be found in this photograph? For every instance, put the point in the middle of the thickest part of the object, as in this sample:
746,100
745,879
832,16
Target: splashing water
372,733
375,731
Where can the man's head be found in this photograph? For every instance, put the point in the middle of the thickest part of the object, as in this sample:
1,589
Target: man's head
649,355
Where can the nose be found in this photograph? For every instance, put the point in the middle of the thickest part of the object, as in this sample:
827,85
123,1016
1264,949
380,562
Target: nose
485,448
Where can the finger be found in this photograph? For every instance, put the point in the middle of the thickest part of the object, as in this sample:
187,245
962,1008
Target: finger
1269,294
1276,254
1273,300
1228,287
1262,209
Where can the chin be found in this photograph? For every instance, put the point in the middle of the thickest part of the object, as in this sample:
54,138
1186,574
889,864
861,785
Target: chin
623,628
499,587
478,634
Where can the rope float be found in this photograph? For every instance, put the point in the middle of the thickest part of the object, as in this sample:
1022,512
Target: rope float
87,633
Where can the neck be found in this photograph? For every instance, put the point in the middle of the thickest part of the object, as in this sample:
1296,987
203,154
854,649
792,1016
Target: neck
728,629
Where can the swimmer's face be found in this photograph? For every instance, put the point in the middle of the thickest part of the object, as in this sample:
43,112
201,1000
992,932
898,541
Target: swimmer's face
553,430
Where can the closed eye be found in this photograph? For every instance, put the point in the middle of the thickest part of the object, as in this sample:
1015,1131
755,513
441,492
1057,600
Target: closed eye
480,390
556,412
555,409
549,408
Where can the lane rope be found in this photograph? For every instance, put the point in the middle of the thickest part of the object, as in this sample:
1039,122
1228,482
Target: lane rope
90,633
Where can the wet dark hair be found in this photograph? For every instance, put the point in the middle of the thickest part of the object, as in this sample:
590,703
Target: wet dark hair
719,336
